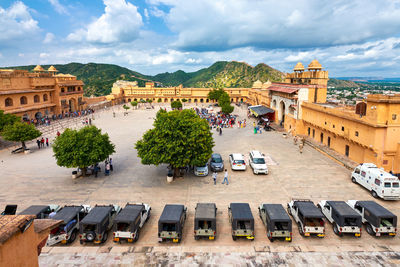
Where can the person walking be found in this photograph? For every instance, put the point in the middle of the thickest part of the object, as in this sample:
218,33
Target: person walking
225,177
214,176
107,168
58,133
96,169
111,165
47,141
38,143
42,142
220,131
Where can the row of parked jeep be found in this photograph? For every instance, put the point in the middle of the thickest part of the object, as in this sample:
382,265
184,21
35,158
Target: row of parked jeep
92,224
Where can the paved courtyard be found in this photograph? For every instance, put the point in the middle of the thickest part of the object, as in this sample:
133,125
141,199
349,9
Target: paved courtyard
36,179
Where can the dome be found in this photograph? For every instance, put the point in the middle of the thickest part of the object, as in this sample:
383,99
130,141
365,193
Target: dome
299,67
314,65
257,84
38,68
52,69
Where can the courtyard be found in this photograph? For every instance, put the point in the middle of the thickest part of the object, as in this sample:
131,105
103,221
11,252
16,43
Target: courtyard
36,179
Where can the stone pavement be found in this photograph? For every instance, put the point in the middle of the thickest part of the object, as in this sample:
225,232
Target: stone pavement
36,179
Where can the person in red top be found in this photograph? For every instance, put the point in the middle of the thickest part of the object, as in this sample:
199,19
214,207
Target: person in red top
58,133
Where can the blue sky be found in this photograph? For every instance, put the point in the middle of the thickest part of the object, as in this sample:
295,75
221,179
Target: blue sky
349,38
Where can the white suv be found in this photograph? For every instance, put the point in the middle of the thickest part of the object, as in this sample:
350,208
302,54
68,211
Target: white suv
237,162
257,162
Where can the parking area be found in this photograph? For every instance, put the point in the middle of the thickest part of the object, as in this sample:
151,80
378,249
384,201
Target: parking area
36,179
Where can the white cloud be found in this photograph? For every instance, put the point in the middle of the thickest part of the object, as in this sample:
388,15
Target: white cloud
16,23
211,25
120,22
49,38
21,54
44,55
146,14
59,8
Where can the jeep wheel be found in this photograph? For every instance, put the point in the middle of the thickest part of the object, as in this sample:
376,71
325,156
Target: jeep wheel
234,238
370,230
105,236
136,236
300,229
179,240
90,236
374,194
81,242
353,180
73,236
336,230
196,237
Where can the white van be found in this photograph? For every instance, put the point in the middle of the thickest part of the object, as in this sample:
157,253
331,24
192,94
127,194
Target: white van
381,184
257,162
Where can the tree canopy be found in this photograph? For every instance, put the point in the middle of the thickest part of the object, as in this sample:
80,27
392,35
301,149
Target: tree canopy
224,101
126,107
7,119
134,103
176,104
179,138
20,132
82,148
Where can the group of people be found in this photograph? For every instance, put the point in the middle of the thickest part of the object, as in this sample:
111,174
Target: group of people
87,121
214,176
242,123
41,142
46,120
108,167
301,141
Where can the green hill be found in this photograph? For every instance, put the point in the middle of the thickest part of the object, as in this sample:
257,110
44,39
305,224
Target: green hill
221,74
332,82
98,78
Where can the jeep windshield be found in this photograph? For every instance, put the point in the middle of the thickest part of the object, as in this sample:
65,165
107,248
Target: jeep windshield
240,161
169,227
259,161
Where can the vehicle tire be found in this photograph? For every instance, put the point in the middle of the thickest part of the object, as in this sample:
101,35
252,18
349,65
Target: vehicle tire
81,242
370,230
179,240
136,236
353,180
160,241
336,230
300,229
73,236
374,194
271,239
234,238
105,236
196,237
90,236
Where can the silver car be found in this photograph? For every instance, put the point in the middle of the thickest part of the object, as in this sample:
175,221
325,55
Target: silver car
201,170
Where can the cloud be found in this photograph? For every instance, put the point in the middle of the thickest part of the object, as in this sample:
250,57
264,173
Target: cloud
146,14
211,25
44,55
16,23
49,38
121,22
59,8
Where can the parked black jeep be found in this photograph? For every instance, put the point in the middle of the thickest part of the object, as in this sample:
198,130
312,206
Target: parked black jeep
95,226
171,222
40,211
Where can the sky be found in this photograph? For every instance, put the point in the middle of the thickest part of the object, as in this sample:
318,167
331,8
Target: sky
348,37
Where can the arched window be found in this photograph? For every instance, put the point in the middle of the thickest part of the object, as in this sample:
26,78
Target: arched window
23,100
36,99
8,102
45,98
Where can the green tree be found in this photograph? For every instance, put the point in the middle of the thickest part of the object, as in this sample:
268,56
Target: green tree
215,94
20,132
176,104
179,138
6,119
227,108
134,104
82,148
184,100
159,100
149,101
126,107
142,100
